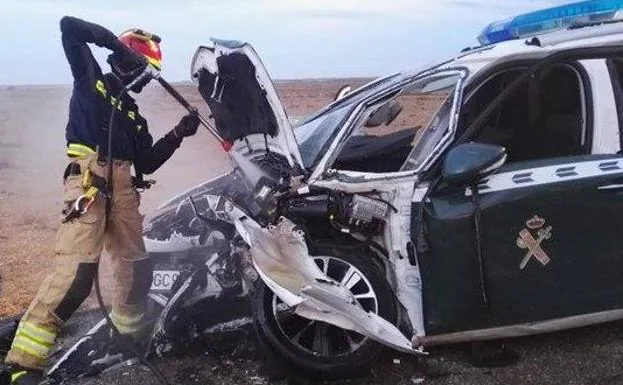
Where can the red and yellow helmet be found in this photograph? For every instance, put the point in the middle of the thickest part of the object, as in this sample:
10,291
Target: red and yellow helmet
144,43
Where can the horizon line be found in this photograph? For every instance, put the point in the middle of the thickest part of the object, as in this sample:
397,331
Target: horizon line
189,82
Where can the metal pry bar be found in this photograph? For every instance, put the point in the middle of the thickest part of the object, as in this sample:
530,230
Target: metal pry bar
192,109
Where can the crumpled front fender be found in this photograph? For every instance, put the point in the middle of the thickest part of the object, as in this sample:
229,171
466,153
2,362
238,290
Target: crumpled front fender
281,258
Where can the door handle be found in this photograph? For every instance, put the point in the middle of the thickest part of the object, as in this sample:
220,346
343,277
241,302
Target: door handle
611,187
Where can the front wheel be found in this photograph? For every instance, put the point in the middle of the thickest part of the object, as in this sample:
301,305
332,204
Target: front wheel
318,348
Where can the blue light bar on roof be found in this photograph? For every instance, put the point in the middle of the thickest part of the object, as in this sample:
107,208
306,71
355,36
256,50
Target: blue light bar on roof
534,23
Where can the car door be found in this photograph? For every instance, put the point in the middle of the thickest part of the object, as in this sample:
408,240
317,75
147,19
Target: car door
551,239
550,236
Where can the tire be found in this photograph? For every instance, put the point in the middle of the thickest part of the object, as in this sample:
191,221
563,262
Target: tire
340,359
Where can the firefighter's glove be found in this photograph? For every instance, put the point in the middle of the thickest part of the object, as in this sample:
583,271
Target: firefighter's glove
187,126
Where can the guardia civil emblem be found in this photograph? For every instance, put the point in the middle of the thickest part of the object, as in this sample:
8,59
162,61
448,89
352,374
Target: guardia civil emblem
531,239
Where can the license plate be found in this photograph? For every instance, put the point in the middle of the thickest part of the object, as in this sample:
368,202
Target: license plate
164,279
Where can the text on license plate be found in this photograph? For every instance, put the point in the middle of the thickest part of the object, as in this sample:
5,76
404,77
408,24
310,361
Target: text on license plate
163,279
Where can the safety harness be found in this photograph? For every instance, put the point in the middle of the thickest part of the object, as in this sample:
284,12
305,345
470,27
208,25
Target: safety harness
93,184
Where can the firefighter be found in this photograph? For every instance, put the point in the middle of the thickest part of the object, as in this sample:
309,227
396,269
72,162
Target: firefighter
94,221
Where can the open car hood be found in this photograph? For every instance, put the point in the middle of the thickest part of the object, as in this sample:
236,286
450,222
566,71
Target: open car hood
242,98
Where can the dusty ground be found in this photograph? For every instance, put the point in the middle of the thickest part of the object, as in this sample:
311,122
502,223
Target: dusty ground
32,121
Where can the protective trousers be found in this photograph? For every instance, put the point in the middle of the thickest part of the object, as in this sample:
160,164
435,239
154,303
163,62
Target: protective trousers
79,244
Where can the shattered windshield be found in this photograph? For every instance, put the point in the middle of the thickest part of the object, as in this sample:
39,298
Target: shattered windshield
427,102
315,132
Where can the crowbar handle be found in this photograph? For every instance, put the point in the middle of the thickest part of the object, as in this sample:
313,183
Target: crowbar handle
193,110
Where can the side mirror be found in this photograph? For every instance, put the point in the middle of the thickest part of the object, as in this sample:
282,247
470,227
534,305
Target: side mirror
468,162
343,91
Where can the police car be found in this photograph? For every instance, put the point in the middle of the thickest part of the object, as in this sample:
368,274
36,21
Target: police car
504,213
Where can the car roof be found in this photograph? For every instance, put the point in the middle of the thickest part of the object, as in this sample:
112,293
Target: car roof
535,47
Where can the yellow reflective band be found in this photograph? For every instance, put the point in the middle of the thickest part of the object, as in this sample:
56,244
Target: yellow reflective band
36,340
74,153
139,127
31,347
76,149
126,324
30,352
113,102
86,179
77,153
91,192
99,85
81,147
131,115
128,320
16,376
36,332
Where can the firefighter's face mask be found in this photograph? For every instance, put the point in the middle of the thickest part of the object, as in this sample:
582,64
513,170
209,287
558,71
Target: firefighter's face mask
127,70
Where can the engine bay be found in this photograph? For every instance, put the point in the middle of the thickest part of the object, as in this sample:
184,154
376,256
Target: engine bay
343,212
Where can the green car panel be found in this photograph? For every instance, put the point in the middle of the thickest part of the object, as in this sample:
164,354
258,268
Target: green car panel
543,246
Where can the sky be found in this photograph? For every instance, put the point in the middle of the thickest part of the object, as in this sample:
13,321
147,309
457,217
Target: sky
294,38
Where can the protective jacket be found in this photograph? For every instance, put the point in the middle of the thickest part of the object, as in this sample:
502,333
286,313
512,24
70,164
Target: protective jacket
94,95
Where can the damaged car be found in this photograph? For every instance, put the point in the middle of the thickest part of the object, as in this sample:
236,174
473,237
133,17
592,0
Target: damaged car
478,199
